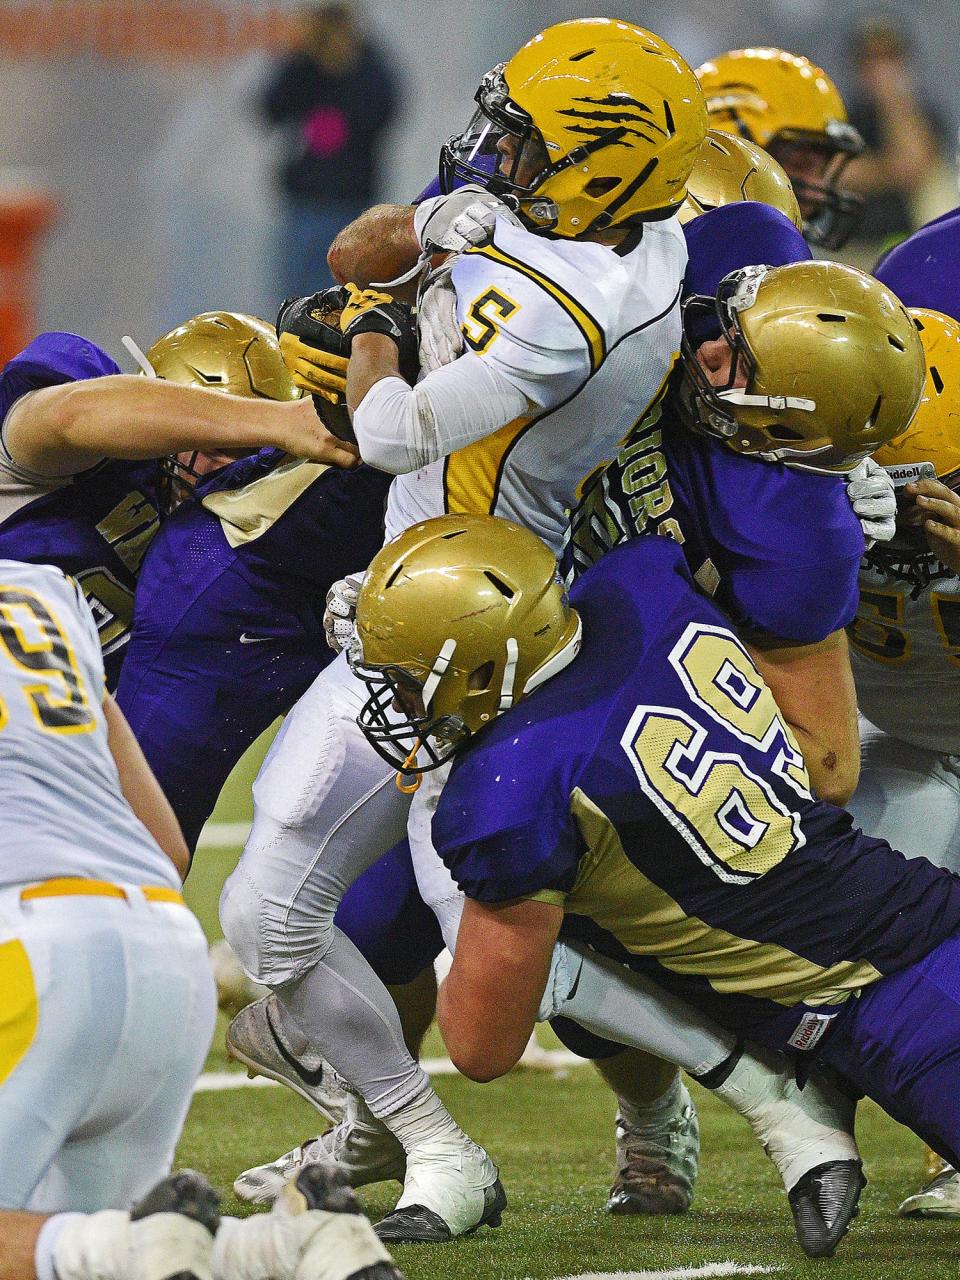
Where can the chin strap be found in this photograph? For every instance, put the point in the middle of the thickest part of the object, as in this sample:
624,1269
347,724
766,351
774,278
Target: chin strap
145,365
401,779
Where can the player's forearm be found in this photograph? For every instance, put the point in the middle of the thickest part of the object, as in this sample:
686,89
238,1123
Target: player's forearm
142,791
401,428
379,245
814,691
64,429
18,1243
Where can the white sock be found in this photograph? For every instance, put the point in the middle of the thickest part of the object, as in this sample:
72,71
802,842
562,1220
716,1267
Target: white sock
424,1119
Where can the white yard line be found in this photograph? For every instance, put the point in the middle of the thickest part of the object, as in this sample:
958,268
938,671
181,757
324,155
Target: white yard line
223,835
712,1269
214,1081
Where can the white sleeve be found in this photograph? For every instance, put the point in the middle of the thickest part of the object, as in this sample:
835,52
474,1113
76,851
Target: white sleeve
400,428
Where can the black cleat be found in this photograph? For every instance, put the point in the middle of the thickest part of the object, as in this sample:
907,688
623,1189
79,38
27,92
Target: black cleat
824,1203
189,1194
415,1224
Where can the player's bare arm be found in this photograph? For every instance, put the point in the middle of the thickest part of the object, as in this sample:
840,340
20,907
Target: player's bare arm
940,508
488,1004
141,789
380,244
18,1244
813,688
61,430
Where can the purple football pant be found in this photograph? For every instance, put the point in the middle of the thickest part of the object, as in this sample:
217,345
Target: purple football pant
899,1043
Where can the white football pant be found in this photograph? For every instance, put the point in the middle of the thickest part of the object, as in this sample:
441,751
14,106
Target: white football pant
107,1008
326,807
909,796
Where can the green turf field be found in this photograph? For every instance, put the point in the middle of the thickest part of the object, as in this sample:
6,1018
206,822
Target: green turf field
553,1138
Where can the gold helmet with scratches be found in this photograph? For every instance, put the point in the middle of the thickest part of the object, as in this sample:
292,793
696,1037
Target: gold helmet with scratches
833,365
607,115
457,620
225,351
730,169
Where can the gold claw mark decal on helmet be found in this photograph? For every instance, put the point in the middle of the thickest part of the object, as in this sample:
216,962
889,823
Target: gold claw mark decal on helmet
832,364
593,124
225,351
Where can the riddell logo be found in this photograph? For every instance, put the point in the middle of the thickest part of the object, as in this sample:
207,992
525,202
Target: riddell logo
810,1029
908,472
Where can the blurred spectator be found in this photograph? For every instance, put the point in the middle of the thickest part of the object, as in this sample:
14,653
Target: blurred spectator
903,132
334,94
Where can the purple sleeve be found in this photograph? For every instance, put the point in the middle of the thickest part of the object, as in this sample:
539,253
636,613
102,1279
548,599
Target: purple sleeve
503,826
49,360
786,544
735,236
924,271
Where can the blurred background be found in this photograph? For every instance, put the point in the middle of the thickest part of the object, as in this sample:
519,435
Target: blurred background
153,152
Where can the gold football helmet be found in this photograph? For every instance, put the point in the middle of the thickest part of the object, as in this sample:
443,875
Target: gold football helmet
457,619
790,107
730,169
930,446
593,124
220,351
832,360
225,351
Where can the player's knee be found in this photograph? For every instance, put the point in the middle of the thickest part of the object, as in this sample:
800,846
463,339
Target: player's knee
273,943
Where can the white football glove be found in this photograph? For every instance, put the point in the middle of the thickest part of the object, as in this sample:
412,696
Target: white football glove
293,1242
439,336
459,220
340,615
873,498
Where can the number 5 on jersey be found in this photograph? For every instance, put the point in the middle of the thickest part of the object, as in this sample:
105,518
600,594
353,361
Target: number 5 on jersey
481,326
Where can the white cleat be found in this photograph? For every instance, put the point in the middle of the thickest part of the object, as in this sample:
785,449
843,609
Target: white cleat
657,1163
255,1037
940,1198
451,1188
364,1150
808,1134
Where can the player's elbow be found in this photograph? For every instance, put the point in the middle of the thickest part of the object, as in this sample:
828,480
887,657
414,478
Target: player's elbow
479,1062
836,779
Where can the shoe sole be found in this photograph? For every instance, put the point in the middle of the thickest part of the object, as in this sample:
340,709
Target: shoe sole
257,1069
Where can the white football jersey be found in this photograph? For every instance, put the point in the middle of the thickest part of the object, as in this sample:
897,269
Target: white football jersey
62,812
906,660
588,334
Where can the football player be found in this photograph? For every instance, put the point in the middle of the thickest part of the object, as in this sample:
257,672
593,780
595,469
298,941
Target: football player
718,241
226,631
572,312
904,643
790,107
98,947
649,801
80,485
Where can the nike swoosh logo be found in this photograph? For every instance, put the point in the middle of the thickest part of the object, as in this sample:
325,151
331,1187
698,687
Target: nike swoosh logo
245,639
312,1078
576,982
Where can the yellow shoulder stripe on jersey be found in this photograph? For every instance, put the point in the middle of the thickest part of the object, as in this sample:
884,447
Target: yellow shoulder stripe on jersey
588,326
645,920
471,476
19,1014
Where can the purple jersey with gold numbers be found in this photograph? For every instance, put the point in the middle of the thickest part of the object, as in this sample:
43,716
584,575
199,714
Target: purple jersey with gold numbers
653,791
95,526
